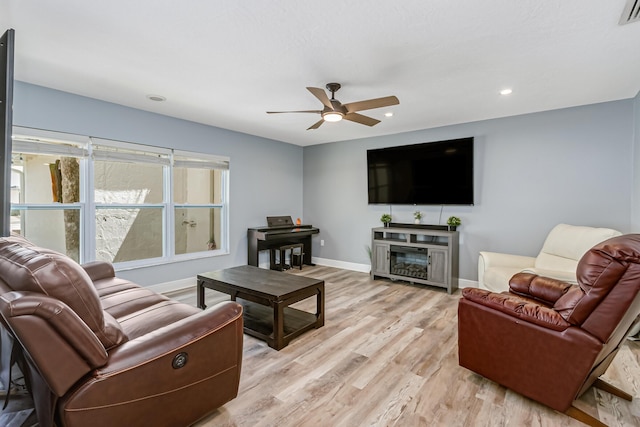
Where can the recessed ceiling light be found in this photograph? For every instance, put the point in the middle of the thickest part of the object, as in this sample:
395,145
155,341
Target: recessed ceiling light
505,92
389,114
157,98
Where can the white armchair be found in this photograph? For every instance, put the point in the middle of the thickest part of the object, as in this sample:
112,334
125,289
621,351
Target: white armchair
562,249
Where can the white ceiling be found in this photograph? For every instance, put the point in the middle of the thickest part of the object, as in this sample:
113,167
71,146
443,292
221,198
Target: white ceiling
226,62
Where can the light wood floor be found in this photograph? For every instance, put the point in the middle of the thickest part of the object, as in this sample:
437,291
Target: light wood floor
387,356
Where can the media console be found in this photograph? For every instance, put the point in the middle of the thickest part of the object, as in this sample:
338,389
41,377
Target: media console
425,254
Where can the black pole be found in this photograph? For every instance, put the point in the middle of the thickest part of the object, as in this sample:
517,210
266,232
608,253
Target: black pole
7,43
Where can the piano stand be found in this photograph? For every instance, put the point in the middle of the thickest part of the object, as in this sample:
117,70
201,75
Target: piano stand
282,256
297,258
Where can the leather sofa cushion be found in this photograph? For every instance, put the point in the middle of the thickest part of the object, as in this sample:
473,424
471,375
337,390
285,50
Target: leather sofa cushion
539,288
25,267
153,317
138,310
517,307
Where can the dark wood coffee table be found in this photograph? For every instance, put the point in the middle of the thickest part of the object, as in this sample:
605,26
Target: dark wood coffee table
266,296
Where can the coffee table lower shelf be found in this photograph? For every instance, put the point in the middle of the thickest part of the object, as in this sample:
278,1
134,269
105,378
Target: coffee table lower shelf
267,297
258,322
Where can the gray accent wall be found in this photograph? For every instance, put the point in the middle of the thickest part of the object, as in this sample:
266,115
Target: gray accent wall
532,172
577,165
265,175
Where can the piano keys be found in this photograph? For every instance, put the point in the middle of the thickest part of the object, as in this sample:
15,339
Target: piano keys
280,230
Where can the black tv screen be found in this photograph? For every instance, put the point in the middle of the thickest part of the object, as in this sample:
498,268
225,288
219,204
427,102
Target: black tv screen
432,173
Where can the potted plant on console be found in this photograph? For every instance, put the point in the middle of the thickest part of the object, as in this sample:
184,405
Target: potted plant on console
386,219
417,215
453,222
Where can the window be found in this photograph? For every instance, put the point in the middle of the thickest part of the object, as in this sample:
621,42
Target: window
198,194
45,190
129,201
129,204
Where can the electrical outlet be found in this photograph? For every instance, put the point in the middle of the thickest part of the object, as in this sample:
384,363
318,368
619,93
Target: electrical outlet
321,242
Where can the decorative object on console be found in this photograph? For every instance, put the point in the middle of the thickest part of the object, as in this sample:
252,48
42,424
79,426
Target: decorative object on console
417,215
385,219
551,340
453,222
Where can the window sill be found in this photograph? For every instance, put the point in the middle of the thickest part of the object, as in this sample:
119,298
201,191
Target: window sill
152,262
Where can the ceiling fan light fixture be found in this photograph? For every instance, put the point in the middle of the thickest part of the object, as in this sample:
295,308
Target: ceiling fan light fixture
332,116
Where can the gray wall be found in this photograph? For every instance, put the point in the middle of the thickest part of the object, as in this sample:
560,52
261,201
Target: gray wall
265,175
531,172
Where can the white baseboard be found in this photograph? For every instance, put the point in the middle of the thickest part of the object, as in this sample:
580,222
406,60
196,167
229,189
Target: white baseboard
173,286
464,283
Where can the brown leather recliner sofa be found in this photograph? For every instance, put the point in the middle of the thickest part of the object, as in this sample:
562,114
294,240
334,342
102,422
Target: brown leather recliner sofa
550,340
97,350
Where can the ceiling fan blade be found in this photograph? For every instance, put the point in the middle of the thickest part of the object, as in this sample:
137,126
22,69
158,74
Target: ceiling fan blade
321,95
369,104
359,118
316,125
301,111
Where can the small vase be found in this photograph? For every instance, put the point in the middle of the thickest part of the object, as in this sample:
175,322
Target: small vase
416,221
386,224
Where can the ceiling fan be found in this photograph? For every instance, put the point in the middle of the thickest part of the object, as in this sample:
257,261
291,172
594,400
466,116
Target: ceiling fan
334,110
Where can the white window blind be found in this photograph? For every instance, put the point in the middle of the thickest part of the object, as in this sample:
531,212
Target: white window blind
130,153
35,141
185,159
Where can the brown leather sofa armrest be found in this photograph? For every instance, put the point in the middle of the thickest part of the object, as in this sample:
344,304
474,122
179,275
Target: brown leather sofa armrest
99,270
540,288
60,317
517,307
60,344
175,360
174,338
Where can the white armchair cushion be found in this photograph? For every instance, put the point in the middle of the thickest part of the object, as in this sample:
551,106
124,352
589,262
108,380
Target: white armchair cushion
562,249
566,244
496,268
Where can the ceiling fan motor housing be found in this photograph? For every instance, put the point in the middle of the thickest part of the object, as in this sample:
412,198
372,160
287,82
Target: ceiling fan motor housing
333,87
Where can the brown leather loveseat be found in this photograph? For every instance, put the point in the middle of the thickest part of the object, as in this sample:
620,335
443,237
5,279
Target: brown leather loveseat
101,351
551,340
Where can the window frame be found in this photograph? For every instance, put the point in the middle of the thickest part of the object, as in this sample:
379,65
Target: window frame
88,206
199,159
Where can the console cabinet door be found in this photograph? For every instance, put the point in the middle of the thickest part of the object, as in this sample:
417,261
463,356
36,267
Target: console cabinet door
380,258
438,266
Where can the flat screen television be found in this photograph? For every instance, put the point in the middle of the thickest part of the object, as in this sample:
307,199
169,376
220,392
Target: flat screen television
432,173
